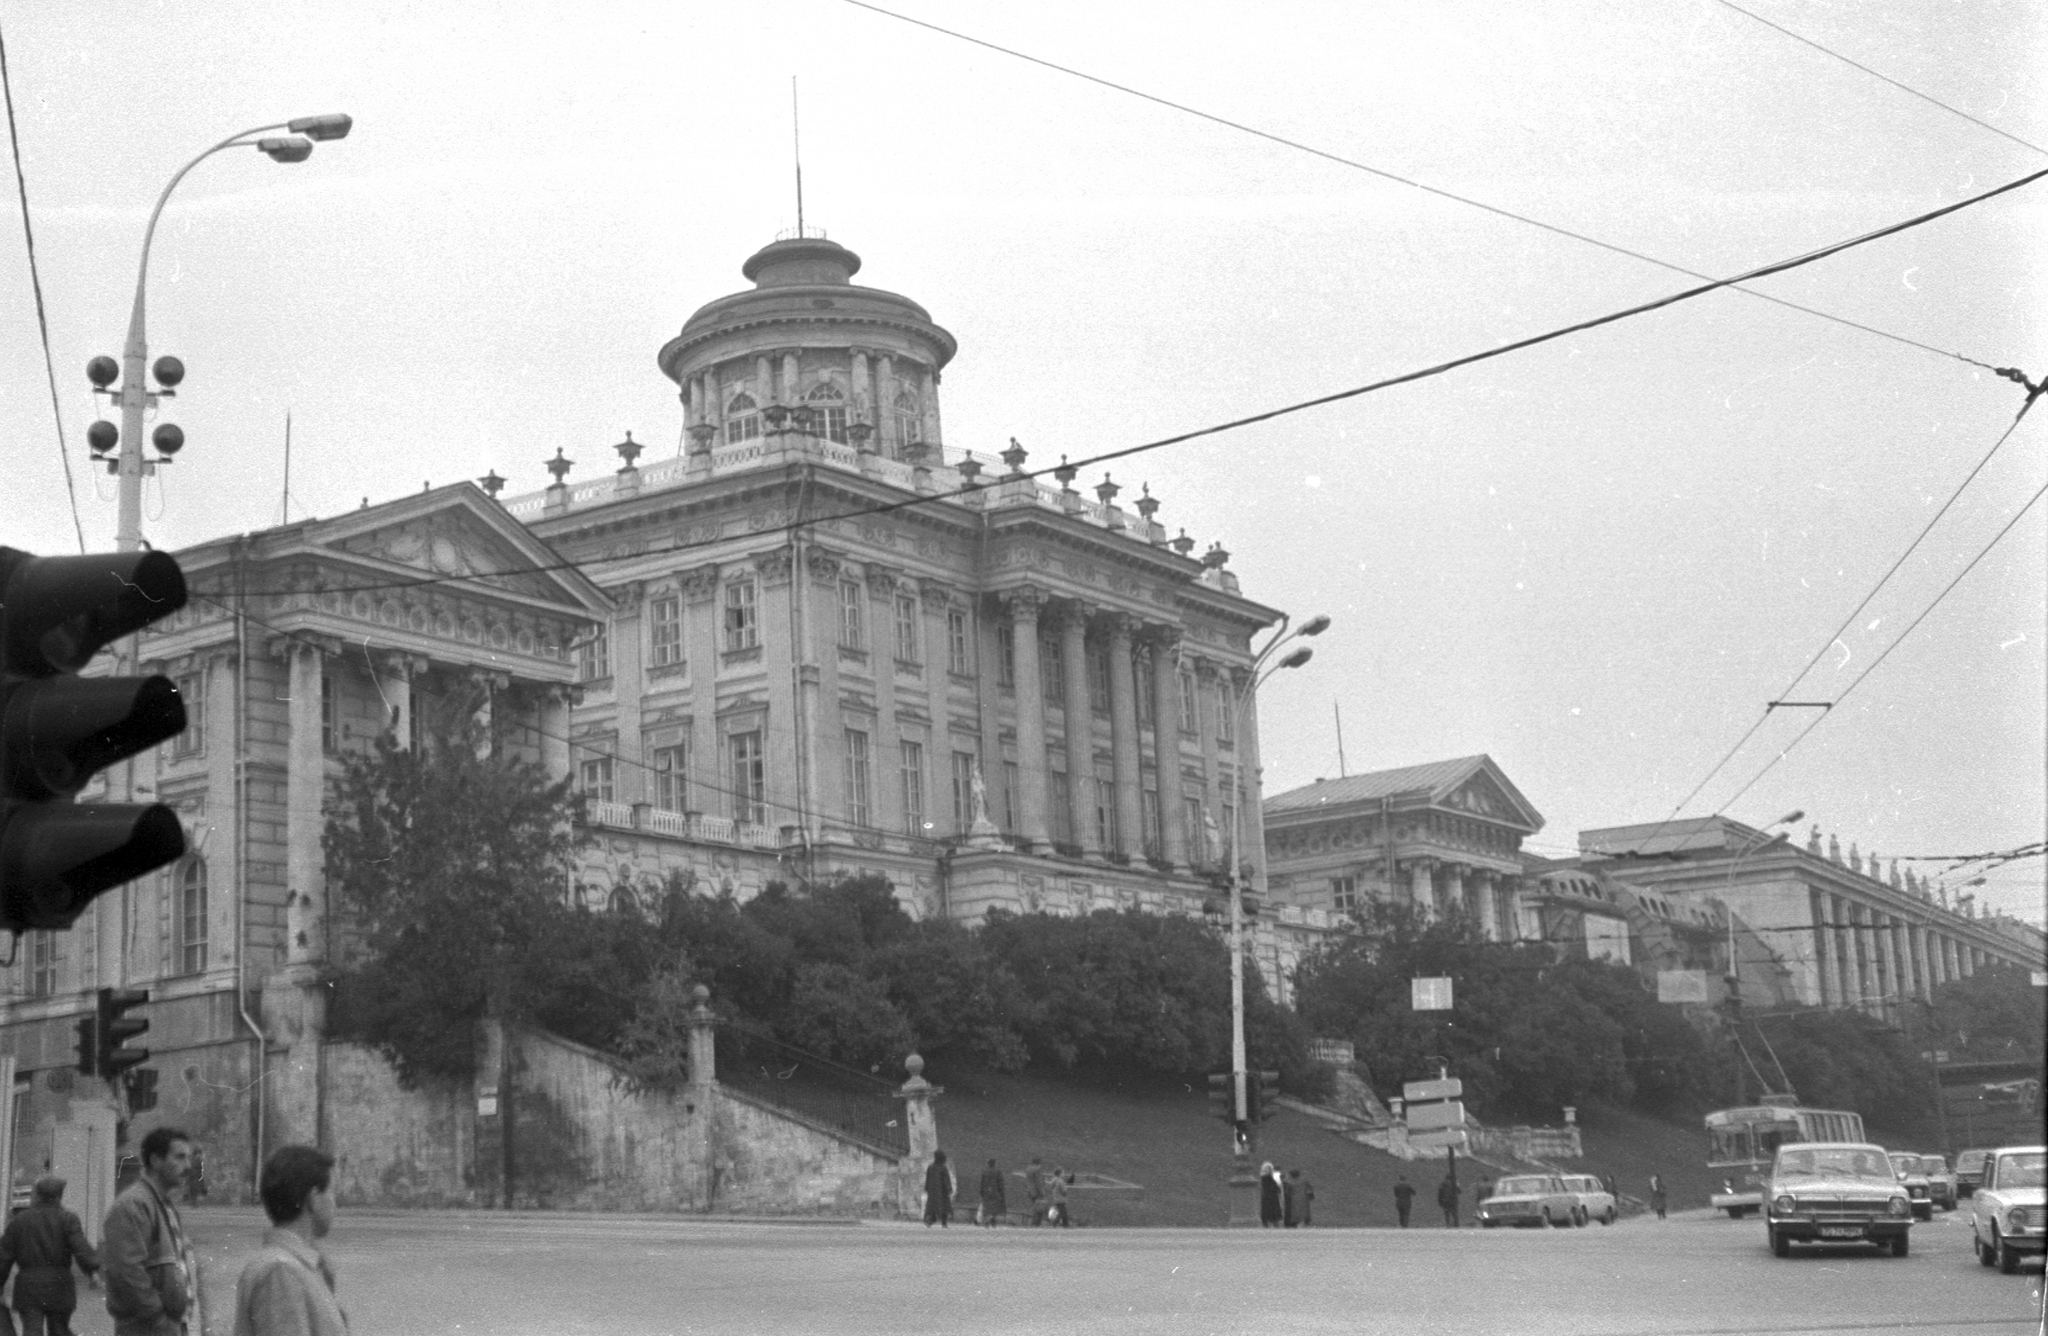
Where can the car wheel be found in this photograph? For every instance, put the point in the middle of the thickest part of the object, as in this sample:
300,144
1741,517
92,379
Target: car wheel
2008,1256
1610,1217
1578,1217
1901,1243
1984,1254
1780,1245
1734,1212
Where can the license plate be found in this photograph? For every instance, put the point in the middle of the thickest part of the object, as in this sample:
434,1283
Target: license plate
1841,1231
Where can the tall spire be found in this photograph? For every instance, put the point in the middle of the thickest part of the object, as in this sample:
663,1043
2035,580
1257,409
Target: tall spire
796,153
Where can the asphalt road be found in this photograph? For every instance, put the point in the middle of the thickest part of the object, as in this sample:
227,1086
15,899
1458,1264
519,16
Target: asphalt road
1694,1275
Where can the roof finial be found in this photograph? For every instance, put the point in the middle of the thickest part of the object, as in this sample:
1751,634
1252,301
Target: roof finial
796,153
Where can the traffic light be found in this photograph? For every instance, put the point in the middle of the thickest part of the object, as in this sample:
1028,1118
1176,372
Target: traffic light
142,1089
58,729
115,1028
1220,1097
1264,1094
88,1045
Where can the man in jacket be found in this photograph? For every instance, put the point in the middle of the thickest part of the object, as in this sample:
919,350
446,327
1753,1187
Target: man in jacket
1447,1193
288,1288
39,1246
992,1195
152,1275
1404,1199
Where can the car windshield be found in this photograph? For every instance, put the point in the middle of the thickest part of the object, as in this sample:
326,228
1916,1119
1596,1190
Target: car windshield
1934,1164
1906,1164
1520,1187
1833,1162
2021,1171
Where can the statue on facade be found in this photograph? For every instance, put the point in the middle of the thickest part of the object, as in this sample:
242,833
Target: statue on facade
982,833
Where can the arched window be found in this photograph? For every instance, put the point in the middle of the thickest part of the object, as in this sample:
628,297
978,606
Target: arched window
191,917
831,405
742,421
909,419
624,901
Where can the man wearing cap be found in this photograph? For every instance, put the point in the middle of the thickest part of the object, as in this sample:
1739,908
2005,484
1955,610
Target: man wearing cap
152,1275
40,1245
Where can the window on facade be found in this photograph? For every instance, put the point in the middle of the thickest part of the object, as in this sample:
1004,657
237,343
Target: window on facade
594,658
1006,656
192,917
909,644
749,777
963,791
1226,716
192,690
1060,797
852,615
742,625
1144,698
1098,678
1148,816
742,420
958,659
416,730
909,419
1195,830
858,809
1052,671
1189,716
1011,781
665,622
42,963
913,787
596,779
1344,894
831,406
672,778
330,714
1105,811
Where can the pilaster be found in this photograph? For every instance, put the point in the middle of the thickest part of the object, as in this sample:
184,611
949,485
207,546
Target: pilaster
1023,606
1123,733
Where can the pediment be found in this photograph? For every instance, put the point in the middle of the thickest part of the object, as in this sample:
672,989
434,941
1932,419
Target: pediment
1486,793
452,538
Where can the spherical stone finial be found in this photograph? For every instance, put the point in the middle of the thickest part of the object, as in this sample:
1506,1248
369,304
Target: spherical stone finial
700,994
914,1064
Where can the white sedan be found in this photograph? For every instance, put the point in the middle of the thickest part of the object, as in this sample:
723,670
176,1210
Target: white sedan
2007,1214
1594,1201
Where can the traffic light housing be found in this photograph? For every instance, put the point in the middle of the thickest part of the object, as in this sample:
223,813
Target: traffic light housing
114,1028
1219,1097
1264,1095
88,1045
58,729
142,1090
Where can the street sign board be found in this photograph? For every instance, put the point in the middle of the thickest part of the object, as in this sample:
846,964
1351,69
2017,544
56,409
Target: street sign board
1429,994
1681,985
1421,1092
1430,1117
1453,1137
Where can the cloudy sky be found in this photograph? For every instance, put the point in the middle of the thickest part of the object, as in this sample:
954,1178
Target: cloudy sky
1594,560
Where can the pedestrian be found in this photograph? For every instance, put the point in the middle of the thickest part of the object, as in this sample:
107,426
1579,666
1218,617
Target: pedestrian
287,1289
1034,1188
1657,1194
1404,1199
1447,1197
39,1246
939,1187
152,1275
991,1195
1299,1193
1057,1213
1272,1195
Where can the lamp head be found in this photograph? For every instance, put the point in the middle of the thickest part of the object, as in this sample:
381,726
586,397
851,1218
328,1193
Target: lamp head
1297,658
1315,625
282,149
334,126
1795,815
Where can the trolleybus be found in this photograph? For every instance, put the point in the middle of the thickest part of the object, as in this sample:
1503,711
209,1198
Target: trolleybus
1741,1144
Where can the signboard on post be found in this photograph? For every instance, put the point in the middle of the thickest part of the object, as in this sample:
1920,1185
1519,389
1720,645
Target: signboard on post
1430,994
1445,1114
1682,986
1422,1092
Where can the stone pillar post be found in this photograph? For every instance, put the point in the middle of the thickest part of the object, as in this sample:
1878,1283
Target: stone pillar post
1123,733
1825,984
1080,729
1489,918
554,733
1422,888
305,793
1166,742
703,1051
1023,606
922,1125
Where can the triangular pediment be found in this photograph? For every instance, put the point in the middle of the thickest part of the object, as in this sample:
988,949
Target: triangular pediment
1485,792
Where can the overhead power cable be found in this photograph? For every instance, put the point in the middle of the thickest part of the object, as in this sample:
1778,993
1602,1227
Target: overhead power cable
1904,88
1395,177
1253,419
36,282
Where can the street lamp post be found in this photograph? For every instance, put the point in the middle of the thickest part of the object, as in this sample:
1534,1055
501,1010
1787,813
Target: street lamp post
1239,1076
1763,841
134,396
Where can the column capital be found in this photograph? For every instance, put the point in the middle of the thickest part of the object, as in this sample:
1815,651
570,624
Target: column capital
1024,603
937,593
1070,613
824,566
883,581
1162,638
773,566
1122,628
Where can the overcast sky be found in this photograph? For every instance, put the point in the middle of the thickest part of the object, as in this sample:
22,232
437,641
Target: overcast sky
1594,561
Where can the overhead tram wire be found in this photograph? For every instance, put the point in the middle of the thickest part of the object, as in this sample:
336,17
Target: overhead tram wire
1398,179
1886,78
36,282
1850,620
1253,419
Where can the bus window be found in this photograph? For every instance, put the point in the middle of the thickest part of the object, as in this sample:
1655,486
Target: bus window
1728,1145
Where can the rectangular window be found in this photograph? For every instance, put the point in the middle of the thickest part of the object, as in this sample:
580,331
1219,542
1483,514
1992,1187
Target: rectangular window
958,657
1006,656
1106,831
192,917
1195,831
1344,894
1226,716
330,721
1148,816
1052,672
742,627
749,778
594,658
909,643
1190,717
1145,702
1011,782
672,778
913,788
42,963
1098,678
963,792
743,428
857,809
596,779
666,624
192,690
1059,795
852,615
835,425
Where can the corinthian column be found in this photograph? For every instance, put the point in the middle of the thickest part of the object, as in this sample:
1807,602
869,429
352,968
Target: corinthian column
1023,606
1166,742
305,789
1123,734
1080,728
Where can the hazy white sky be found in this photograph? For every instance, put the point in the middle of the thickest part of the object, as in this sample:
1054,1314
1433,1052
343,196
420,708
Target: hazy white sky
1594,561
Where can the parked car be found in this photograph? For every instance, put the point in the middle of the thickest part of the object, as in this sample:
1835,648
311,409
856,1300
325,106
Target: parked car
1836,1192
1595,1202
1907,1169
2008,1216
1529,1199
1969,1171
1941,1181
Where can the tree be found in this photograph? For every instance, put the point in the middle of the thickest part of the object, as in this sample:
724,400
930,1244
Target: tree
452,871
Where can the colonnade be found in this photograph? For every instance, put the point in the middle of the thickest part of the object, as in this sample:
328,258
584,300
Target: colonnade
1437,885
1868,957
